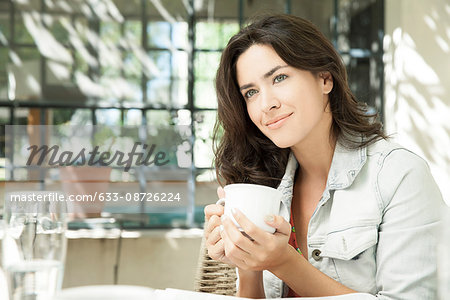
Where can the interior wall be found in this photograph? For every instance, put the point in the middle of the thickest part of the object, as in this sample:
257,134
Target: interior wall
153,258
417,81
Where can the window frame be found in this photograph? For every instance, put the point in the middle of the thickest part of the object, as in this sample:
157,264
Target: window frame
43,105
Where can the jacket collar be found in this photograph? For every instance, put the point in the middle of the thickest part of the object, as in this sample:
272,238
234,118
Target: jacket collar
345,166
287,184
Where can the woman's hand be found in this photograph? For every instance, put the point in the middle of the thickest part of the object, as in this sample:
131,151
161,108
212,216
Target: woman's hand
214,242
263,251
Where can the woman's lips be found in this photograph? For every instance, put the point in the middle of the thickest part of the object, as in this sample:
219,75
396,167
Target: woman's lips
277,124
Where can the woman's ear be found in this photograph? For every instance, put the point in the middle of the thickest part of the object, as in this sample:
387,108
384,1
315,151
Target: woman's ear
326,81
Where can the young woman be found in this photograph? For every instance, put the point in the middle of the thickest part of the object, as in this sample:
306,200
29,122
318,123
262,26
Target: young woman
358,212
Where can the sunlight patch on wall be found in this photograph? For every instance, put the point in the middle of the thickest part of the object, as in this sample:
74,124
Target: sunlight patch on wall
417,86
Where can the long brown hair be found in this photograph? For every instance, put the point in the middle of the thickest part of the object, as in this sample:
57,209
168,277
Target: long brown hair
242,153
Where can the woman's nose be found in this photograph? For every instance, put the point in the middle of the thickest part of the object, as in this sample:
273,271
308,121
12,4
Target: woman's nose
269,101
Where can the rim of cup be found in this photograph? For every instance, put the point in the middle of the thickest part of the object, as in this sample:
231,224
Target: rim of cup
228,186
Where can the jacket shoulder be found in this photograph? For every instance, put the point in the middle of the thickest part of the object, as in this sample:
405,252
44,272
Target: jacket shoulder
400,173
385,152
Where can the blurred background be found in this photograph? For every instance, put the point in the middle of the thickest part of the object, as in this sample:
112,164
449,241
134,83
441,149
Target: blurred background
123,63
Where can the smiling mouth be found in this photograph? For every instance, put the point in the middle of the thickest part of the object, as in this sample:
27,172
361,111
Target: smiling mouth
278,123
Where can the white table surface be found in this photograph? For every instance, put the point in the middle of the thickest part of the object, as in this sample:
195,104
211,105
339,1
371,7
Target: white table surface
112,292
174,294
120,292
116,292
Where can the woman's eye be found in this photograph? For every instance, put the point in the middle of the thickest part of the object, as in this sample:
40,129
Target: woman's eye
250,93
280,78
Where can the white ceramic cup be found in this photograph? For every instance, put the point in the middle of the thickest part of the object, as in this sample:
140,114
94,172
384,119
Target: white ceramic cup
254,201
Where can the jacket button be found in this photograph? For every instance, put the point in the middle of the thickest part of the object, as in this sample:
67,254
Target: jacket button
316,254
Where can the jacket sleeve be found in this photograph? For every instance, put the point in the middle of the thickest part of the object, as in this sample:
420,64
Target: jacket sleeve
410,203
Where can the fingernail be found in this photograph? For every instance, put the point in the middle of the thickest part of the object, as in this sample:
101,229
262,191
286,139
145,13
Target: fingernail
221,228
234,210
269,218
223,218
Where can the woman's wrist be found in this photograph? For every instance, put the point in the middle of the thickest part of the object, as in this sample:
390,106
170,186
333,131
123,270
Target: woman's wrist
287,259
251,275
250,284
305,279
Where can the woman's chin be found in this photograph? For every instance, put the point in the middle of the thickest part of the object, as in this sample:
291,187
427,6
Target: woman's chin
283,144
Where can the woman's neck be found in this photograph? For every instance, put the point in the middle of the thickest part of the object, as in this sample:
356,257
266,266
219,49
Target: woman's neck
314,157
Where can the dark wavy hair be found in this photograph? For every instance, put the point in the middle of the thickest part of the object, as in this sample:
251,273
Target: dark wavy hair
243,154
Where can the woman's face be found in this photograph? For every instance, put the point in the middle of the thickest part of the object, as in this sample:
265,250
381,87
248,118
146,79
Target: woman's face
287,104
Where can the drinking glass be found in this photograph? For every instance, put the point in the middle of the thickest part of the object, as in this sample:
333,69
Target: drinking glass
34,244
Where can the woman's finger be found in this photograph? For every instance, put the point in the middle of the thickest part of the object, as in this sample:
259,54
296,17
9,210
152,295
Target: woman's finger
233,252
249,227
279,223
214,236
213,209
236,236
217,251
213,222
220,192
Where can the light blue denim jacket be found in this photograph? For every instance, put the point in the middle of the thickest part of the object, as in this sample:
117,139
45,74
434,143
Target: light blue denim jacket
374,229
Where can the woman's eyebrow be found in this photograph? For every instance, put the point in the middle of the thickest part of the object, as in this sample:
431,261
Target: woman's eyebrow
273,70
268,74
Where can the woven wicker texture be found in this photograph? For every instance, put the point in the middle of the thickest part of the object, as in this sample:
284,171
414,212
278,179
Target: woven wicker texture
214,276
